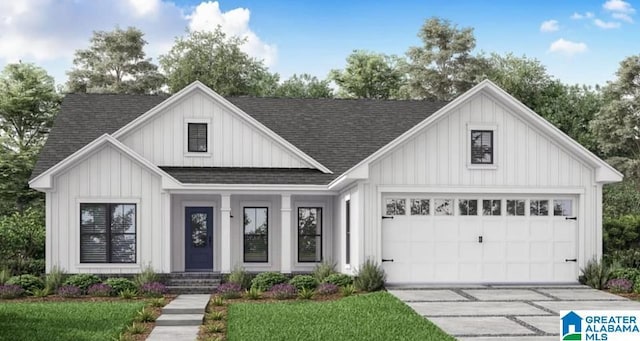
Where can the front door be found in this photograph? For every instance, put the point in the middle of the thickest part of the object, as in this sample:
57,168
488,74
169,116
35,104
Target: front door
198,238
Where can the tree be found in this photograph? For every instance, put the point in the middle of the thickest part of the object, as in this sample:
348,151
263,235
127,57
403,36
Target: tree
369,75
115,63
218,62
617,125
443,68
304,86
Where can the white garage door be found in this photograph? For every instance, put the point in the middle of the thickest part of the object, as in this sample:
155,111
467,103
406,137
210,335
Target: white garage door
483,239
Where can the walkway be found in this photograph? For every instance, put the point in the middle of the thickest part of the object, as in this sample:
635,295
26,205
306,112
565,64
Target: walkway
180,319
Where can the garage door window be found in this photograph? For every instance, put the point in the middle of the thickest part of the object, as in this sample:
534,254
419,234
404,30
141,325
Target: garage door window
468,207
515,207
491,207
563,207
419,206
443,206
396,206
539,208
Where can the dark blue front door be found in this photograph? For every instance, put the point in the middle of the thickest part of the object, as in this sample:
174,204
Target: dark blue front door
198,238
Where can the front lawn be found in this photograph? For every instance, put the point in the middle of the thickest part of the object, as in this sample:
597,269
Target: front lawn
86,321
375,316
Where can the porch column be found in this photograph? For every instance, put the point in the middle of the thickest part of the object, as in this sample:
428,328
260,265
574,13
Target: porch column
225,234
286,244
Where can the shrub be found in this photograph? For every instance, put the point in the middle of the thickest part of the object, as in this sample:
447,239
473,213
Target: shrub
82,281
626,273
153,289
266,280
128,294
217,301
306,294
636,287
215,315
146,276
323,270
99,290
229,290
69,291
253,294
22,236
370,277
27,282
623,258
214,328
620,285
119,284
327,289
5,274
41,292
54,278
145,315
595,274
621,198
304,282
11,291
157,302
137,328
347,290
621,233
283,291
239,276
339,279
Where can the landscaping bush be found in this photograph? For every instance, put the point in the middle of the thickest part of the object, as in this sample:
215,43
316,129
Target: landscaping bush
69,291
266,280
370,277
27,282
324,269
120,284
340,280
283,291
622,233
22,236
153,289
327,289
146,276
595,274
229,290
304,282
82,281
11,291
99,290
620,285
623,258
253,294
54,278
239,276
626,273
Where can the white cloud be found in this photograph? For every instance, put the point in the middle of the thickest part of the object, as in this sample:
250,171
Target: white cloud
567,47
606,25
623,17
618,6
145,7
579,16
549,26
207,16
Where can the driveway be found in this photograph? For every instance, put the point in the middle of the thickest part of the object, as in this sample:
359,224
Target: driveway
500,313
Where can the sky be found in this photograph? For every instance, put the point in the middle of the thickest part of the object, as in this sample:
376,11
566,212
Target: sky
579,41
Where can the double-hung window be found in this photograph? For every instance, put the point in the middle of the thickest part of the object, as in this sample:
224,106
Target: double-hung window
197,137
482,147
256,234
309,234
107,233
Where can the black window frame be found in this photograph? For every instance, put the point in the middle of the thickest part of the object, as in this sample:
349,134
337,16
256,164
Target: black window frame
244,235
192,148
320,213
108,234
473,160
347,210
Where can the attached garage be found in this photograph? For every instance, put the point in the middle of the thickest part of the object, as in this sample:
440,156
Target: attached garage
467,238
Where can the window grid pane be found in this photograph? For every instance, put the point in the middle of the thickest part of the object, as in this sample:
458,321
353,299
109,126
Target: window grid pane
443,206
468,206
107,238
492,207
420,206
256,234
563,207
309,234
396,206
539,208
197,137
515,207
482,147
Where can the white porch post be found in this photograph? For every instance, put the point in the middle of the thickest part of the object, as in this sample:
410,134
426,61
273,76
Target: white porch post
286,244
225,234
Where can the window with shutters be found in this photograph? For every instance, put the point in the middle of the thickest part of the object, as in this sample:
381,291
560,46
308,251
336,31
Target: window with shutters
107,233
256,234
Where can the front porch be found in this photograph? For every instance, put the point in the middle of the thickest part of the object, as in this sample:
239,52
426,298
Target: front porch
283,232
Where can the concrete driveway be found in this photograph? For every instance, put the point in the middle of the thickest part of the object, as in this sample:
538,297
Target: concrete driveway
500,313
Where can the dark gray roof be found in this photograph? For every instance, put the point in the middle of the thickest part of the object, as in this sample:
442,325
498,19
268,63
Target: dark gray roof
235,175
338,133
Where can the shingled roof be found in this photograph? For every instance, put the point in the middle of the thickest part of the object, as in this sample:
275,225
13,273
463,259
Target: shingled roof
338,133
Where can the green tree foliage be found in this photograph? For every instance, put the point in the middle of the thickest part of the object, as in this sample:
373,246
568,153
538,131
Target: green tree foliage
115,62
369,75
217,61
304,86
621,233
22,237
620,199
443,67
616,125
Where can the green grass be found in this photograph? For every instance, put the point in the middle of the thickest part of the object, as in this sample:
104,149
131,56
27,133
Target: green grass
376,316
61,321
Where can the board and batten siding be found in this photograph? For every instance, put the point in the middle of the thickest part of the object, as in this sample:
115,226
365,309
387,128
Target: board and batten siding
527,160
106,176
233,141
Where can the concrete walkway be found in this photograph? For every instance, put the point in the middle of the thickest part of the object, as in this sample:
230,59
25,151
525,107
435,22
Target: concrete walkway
501,313
180,319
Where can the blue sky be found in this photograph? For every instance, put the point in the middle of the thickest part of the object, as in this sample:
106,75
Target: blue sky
578,41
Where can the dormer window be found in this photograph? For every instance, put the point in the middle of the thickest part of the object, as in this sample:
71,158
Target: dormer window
197,137
482,147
